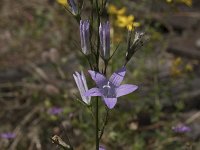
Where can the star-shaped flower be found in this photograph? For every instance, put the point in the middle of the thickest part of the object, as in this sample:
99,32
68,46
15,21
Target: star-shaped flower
110,89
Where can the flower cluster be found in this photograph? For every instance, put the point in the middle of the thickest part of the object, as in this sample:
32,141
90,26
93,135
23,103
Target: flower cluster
95,41
108,89
178,67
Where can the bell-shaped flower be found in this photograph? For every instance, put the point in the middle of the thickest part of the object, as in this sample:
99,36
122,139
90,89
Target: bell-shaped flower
104,33
82,86
8,135
181,128
85,36
101,148
110,89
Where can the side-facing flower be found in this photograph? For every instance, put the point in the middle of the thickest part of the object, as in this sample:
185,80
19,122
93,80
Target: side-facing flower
101,148
110,89
85,36
8,135
55,110
181,128
82,86
73,7
104,33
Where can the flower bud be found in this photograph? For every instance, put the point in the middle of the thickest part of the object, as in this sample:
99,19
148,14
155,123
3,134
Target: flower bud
104,33
73,7
85,36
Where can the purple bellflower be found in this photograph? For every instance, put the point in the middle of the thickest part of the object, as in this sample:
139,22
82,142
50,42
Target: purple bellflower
73,7
181,128
55,110
85,36
104,33
8,135
82,86
101,148
110,89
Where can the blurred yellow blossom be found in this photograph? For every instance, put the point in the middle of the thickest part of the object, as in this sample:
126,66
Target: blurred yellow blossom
123,21
112,9
175,71
62,2
188,67
178,61
127,21
133,25
169,1
187,2
175,68
121,11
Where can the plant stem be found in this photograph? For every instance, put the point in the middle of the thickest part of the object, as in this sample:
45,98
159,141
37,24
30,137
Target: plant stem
98,38
97,124
104,123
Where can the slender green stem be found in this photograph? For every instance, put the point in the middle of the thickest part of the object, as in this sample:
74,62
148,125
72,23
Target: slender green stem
97,69
105,67
105,121
97,123
98,38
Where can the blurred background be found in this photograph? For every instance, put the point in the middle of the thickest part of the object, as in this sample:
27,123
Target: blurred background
40,50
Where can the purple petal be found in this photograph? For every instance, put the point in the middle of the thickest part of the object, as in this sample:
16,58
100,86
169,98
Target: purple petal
181,128
8,135
110,102
93,92
102,148
125,89
55,110
82,86
118,76
99,78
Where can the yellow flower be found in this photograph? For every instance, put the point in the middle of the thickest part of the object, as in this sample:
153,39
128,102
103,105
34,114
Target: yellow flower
133,25
121,11
127,21
114,11
175,71
168,1
177,61
62,2
187,2
123,21
188,68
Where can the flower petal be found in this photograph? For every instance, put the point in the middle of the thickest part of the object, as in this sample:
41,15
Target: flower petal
125,89
118,76
110,102
99,78
93,92
82,86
